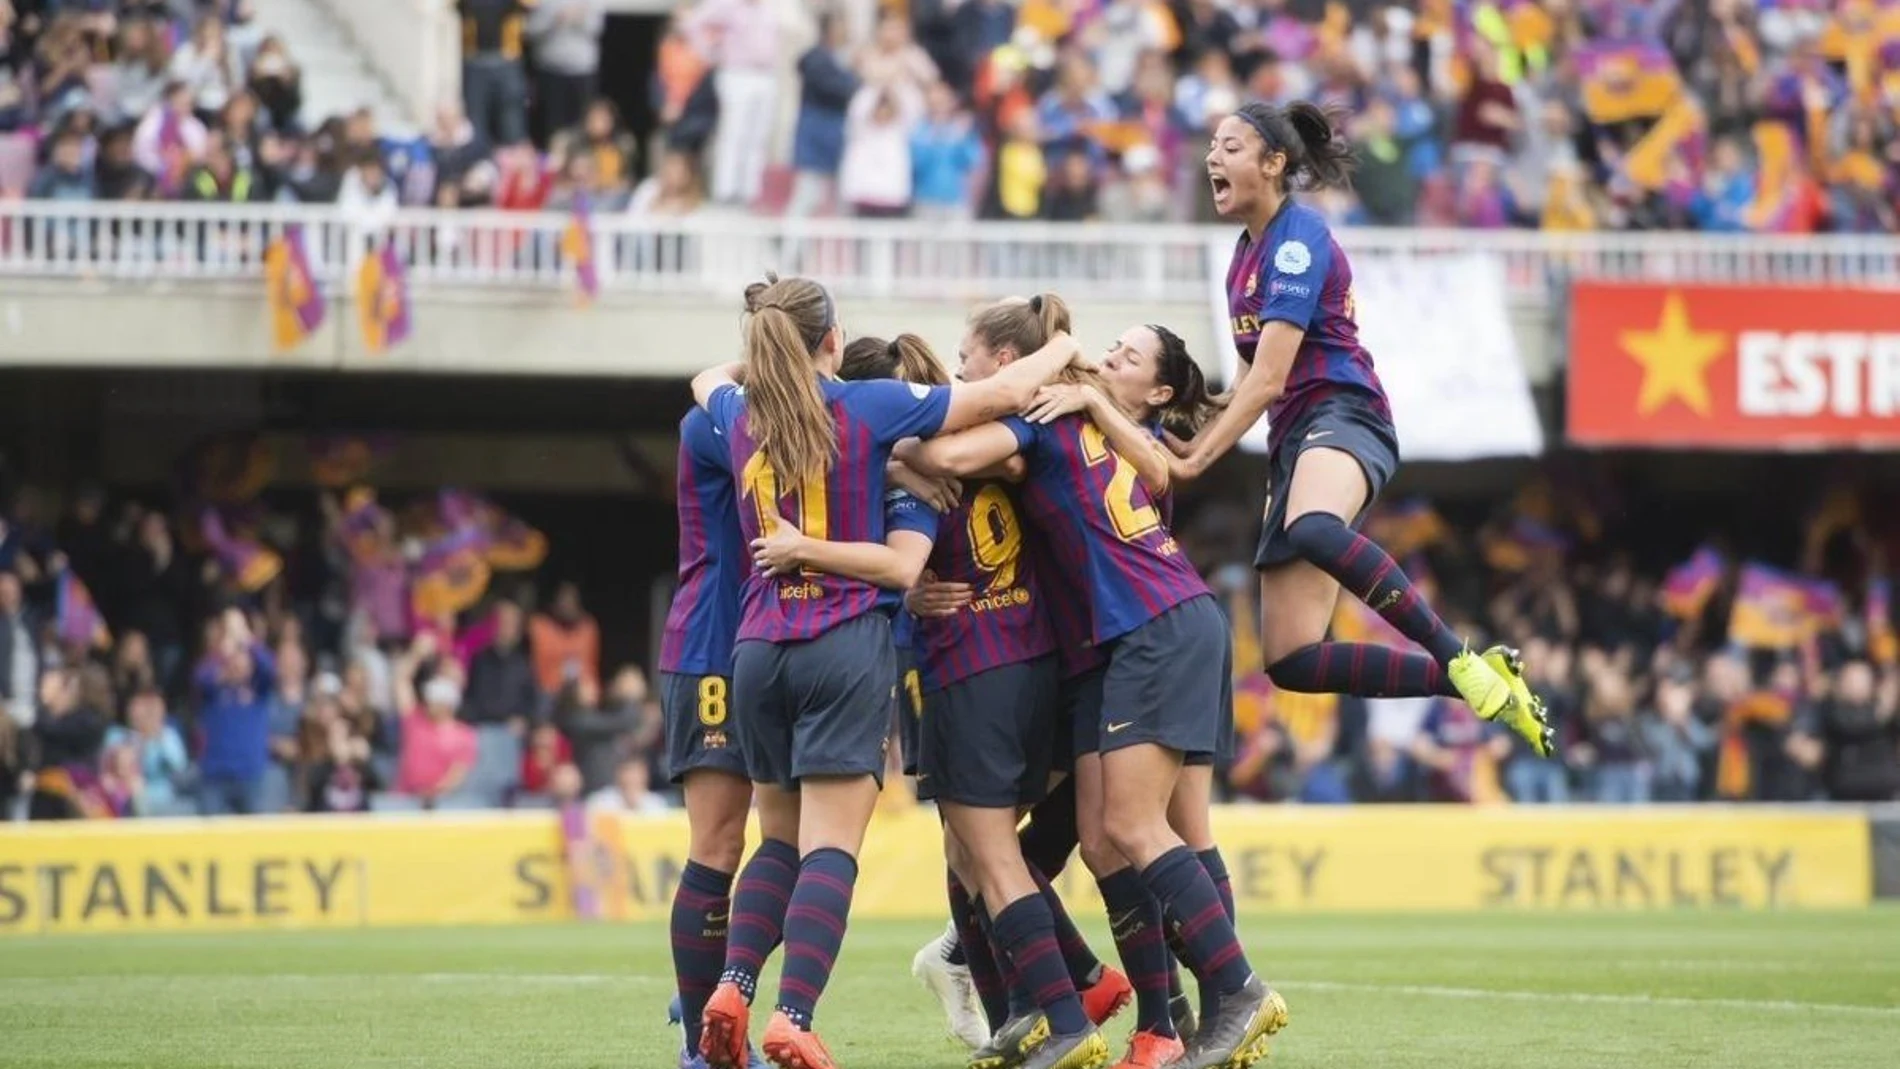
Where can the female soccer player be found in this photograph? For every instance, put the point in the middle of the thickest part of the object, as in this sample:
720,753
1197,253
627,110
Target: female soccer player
1161,631
1331,444
695,694
813,669
988,690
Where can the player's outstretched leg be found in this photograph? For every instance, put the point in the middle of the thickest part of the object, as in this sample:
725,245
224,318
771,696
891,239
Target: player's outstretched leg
1047,841
1492,686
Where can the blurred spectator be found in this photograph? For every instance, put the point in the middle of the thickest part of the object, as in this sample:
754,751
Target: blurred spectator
68,737
603,735
892,60
234,687
461,158
220,179
874,177
566,35
566,643
827,84
1534,779
66,177
169,139
683,91
673,191
945,153
1387,188
277,83
138,76
494,86
1142,195
1459,753
132,669
1612,746
367,198
159,753
741,38
604,140
207,67
1675,739
547,751
339,775
158,588
1071,193
501,687
1017,188
630,792
19,655
1856,727
437,750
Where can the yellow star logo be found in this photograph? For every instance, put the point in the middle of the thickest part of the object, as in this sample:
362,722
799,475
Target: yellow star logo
1675,357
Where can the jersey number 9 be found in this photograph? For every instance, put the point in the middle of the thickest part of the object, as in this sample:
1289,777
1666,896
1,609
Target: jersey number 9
1131,520
996,539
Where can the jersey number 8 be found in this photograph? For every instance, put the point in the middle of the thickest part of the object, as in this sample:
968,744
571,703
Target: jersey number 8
1130,519
712,701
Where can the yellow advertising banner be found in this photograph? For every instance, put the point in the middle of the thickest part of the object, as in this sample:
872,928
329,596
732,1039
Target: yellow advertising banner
509,868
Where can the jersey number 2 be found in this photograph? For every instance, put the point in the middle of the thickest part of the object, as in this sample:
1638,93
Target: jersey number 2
1131,521
760,483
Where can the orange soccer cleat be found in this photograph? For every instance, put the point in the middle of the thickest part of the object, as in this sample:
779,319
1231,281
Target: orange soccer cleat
722,1029
1149,1051
791,1047
1106,996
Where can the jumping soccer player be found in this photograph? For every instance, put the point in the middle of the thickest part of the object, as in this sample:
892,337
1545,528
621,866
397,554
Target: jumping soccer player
1332,446
814,670
1162,632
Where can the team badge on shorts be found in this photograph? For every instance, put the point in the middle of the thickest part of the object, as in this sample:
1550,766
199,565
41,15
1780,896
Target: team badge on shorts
713,740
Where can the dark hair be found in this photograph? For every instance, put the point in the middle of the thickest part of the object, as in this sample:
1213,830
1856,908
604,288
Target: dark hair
1191,406
1305,134
906,357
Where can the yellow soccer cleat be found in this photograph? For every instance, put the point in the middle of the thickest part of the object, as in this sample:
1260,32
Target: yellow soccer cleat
1528,717
1480,685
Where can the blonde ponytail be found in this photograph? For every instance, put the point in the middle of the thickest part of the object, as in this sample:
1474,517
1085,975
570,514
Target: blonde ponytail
788,415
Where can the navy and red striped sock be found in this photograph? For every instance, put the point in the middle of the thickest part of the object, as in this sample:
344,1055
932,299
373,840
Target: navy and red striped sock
1026,933
1084,967
1016,1000
1134,919
984,973
1370,574
702,908
1193,909
1051,835
1363,669
759,901
814,930
1216,867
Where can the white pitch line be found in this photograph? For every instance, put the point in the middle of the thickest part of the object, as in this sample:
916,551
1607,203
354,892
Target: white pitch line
1669,1001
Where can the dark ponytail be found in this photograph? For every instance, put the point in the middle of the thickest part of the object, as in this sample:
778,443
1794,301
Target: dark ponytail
1192,406
1307,134
906,357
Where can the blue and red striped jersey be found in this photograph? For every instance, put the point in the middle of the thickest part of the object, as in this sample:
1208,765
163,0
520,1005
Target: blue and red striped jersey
1104,531
845,504
903,512
1066,607
1298,274
981,542
704,616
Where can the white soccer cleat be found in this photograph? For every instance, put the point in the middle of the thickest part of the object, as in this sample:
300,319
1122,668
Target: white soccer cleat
954,990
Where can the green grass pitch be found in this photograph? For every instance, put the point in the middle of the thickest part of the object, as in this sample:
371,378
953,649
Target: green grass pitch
1516,991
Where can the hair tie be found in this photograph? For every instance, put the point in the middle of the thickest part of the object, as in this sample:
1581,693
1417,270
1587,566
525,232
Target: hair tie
1035,304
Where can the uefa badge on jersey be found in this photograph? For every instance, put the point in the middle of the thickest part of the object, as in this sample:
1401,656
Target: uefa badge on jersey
1292,258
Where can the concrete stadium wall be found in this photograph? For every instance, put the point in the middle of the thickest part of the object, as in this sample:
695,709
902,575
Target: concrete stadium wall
183,324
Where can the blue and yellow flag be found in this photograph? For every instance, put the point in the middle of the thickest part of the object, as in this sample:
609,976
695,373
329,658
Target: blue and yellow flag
291,291
1624,80
382,300
1776,610
246,560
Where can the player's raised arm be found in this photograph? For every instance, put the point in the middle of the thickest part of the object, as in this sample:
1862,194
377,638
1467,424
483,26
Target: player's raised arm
1011,389
708,381
961,454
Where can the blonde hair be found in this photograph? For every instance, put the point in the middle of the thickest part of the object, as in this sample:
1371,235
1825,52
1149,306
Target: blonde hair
786,324
1026,325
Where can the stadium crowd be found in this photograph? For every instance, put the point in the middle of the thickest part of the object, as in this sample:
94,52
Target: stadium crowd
333,656
1555,114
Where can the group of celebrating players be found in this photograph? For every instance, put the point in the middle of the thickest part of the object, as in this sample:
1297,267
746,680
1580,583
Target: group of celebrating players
994,556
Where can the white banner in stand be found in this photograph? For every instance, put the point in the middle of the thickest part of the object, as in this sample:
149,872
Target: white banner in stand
1439,332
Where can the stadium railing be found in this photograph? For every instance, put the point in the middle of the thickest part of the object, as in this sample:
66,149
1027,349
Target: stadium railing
858,258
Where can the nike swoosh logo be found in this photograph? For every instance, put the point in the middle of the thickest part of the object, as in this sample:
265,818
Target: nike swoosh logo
1113,728
1317,434
718,918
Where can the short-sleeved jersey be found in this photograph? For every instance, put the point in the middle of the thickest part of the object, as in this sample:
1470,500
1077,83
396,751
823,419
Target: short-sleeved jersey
981,542
704,616
1298,274
1104,531
845,504
903,512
